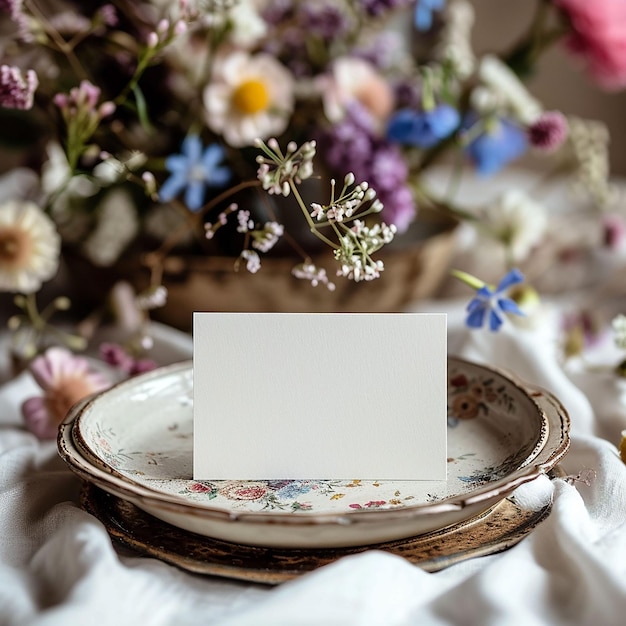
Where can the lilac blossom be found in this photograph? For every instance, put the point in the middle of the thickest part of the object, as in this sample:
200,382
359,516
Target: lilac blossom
115,355
353,145
499,144
194,170
12,7
324,19
376,8
423,129
17,91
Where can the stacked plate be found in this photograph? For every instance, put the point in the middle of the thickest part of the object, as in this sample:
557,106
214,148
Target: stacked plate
134,441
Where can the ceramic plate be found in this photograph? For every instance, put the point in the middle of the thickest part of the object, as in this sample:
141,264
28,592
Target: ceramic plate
137,437
494,531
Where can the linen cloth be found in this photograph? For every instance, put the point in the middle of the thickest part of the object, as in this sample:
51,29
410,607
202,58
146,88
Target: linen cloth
58,565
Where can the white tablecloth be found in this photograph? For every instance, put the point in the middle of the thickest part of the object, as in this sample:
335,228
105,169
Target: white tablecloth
58,565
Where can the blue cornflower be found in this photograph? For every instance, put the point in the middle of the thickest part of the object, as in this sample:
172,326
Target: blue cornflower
423,129
424,10
496,146
494,303
194,170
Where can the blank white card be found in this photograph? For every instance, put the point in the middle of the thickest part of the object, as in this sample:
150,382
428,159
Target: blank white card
319,396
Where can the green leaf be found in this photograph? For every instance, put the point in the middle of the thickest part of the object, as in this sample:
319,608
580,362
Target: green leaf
142,109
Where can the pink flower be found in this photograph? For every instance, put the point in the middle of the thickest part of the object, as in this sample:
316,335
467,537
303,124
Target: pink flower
17,91
614,231
115,355
598,37
549,131
65,379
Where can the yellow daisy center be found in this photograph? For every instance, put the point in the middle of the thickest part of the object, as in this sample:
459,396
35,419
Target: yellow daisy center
251,97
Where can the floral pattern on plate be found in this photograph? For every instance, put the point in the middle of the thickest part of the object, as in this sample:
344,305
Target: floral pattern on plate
494,428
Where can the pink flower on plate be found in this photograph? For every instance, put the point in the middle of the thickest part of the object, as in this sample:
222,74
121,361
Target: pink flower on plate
598,37
65,379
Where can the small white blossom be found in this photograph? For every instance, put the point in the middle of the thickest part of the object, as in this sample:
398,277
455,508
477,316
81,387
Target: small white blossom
356,248
455,44
277,170
317,275
349,204
619,330
152,298
264,240
517,221
253,262
506,88
245,223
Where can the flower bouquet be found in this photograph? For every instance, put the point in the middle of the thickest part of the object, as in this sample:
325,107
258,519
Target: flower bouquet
192,146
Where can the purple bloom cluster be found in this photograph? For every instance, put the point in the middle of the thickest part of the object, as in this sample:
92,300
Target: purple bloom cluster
16,92
353,145
324,20
375,8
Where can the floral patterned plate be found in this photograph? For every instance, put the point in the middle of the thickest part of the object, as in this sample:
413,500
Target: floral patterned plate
135,441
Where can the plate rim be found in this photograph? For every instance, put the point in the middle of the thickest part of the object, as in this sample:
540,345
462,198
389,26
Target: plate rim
533,468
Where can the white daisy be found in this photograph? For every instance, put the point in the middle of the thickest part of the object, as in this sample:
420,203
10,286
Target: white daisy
517,221
248,97
29,247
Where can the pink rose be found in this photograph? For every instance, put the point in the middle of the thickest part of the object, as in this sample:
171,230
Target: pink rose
598,37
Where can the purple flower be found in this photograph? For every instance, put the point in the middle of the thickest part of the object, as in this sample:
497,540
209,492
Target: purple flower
194,170
424,10
497,146
376,8
493,303
16,92
399,206
353,146
324,20
549,131
423,129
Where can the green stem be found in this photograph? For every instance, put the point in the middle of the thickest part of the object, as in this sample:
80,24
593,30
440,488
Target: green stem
312,225
468,279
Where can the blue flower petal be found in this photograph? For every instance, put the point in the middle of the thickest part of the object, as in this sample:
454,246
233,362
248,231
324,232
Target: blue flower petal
477,317
219,177
192,148
177,163
510,306
212,156
476,303
194,195
495,321
494,149
510,278
444,120
402,125
172,187
423,16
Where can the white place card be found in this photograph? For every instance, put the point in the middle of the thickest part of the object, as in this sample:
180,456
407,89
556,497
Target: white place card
316,396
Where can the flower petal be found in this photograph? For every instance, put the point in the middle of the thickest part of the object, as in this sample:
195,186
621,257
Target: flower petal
476,317
510,306
495,321
194,196
511,278
172,187
192,149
